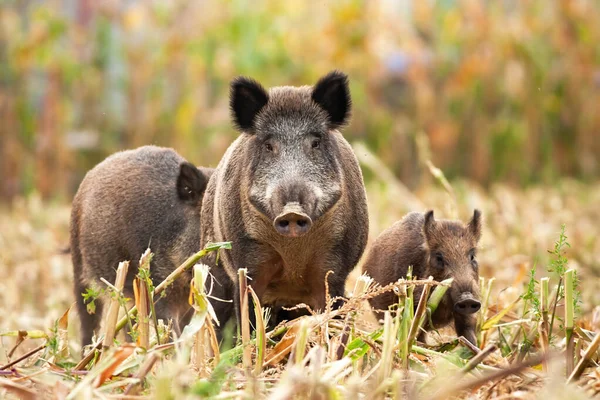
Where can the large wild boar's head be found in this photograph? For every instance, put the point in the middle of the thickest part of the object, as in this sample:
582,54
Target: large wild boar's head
293,159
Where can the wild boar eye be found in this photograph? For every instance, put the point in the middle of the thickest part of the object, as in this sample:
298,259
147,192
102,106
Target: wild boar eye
440,259
316,143
269,147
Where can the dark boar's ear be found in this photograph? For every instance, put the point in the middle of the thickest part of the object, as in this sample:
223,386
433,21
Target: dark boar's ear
475,225
332,93
246,98
191,183
428,225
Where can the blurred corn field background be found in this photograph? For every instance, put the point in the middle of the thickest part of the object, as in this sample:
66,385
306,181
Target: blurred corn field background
504,90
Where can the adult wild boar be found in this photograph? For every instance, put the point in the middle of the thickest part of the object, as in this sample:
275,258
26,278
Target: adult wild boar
150,196
288,194
441,249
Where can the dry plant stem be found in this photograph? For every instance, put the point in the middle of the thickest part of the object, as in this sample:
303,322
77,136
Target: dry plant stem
569,320
113,311
88,357
544,326
475,361
587,356
578,347
343,339
199,351
484,310
20,339
448,392
145,264
418,319
299,349
236,351
157,290
141,301
214,343
385,364
525,348
164,284
519,328
556,298
261,340
245,319
23,357
404,328
362,285
469,345
197,294
146,367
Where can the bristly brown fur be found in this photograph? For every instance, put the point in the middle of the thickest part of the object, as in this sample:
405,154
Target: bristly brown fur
134,199
291,154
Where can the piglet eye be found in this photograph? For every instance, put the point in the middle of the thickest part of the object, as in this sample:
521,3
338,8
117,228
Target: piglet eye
472,255
316,143
269,147
439,258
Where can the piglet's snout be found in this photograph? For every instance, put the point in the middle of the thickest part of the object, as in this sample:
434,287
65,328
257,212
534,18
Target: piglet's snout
467,304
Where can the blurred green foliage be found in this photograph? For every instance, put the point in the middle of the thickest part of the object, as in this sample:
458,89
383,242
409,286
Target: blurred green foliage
503,90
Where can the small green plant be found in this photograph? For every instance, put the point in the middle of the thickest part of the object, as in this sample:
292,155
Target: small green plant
90,296
531,295
558,266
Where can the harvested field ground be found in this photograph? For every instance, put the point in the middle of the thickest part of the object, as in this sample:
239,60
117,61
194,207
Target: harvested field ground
521,227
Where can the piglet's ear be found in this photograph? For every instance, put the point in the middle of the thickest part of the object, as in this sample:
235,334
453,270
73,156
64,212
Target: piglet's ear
332,93
474,225
191,183
428,224
247,97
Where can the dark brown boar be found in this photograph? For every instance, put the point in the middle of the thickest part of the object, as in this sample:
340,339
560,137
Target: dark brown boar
441,249
135,199
288,194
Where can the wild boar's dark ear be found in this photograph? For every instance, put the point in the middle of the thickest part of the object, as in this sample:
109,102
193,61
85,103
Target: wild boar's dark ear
191,183
428,224
332,93
475,225
247,97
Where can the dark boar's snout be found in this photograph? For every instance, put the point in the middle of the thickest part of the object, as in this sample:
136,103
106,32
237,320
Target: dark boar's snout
293,221
467,304
293,204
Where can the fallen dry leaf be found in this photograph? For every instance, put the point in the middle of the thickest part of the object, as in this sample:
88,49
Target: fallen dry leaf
117,358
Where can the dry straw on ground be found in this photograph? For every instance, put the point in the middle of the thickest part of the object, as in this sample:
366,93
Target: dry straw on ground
338,354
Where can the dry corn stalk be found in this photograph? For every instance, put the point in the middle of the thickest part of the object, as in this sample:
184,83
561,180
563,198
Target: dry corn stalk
113,311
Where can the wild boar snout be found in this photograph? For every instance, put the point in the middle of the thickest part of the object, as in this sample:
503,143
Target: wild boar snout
467,304
294,202
293,221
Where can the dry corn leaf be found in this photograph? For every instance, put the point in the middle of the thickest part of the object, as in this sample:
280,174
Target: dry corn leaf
285,345
63,322
116,359
492,321
261,341
21,391
508,317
